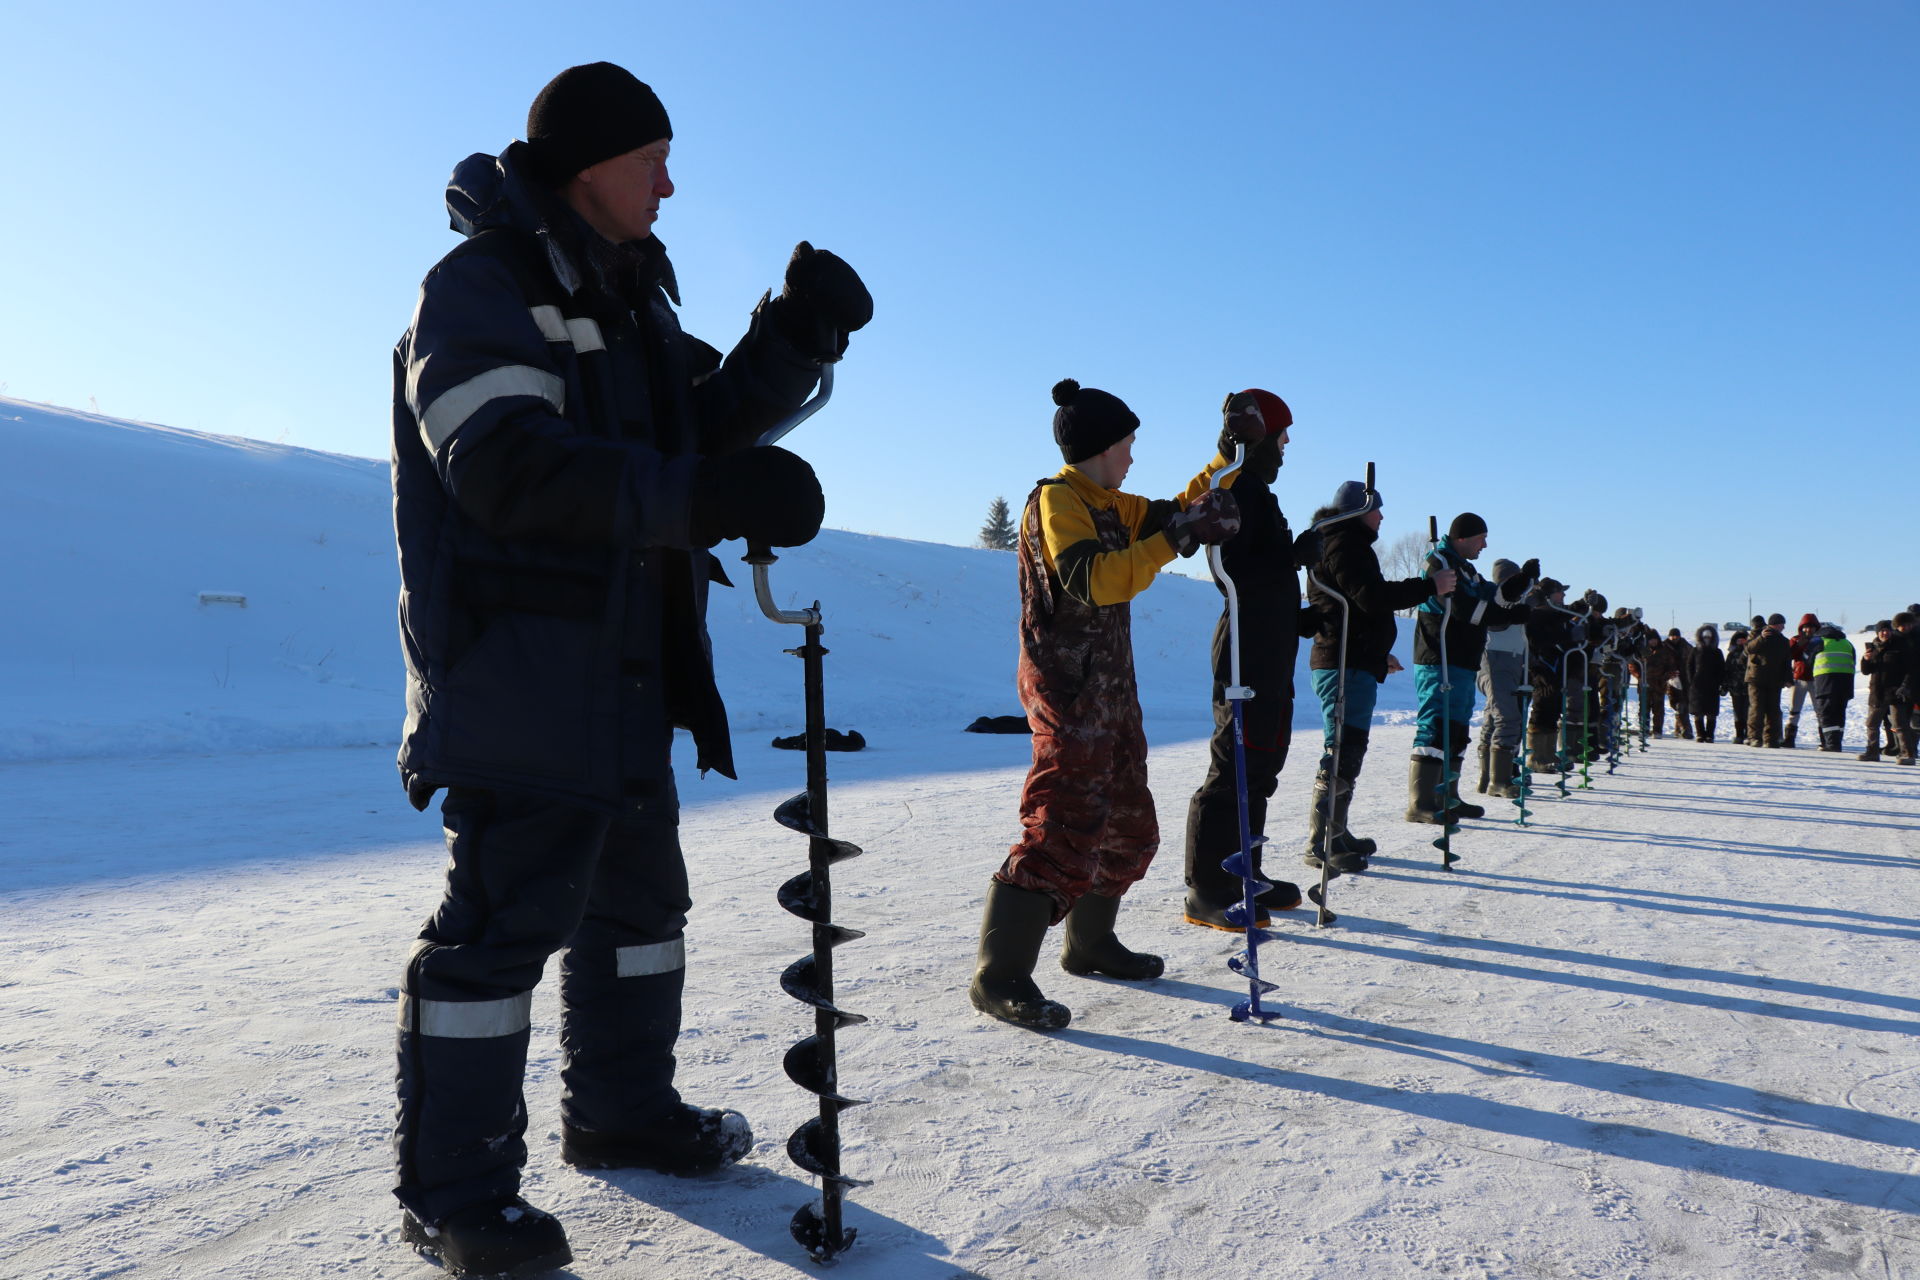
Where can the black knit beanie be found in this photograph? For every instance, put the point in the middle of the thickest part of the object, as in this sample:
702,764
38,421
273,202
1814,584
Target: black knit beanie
1466,525
591,113
1089,421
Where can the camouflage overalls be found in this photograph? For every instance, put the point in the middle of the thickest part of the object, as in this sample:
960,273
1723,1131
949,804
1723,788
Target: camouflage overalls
1087,814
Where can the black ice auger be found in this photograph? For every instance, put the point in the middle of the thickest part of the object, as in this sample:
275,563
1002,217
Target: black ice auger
812,1063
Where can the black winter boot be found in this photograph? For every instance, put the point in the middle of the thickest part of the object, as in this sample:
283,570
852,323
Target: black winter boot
1091,946
1011,931
1793,728
1423,790
1345,856
505,1236
686,1142
1458,808
1206,914
1486,765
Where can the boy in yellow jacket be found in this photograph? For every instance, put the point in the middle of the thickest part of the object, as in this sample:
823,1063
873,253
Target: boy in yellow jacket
1086,549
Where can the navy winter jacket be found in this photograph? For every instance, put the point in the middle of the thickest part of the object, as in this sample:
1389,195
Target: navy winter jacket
1476,603
548,419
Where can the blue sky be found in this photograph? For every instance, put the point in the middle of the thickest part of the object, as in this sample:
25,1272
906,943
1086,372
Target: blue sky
1634,281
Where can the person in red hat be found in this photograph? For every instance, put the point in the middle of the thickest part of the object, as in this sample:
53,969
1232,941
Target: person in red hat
1265,569
1806,642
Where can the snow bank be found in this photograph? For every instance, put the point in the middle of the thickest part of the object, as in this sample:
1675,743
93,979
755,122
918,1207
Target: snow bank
178,591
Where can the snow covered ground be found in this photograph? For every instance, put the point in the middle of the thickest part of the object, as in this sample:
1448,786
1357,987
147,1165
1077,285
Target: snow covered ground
1665,1031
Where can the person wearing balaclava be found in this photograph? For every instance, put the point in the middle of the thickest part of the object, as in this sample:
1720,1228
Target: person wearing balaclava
564,457
1262,561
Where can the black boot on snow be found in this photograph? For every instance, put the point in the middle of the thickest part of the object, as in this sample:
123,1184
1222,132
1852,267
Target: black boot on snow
1209,916
686,1142
1091,946
1786,739
1456,807
1011,931
1341,853
500,1237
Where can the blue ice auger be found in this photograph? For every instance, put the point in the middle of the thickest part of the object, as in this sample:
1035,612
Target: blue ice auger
1243,912
1318,892
1447,776
813,1063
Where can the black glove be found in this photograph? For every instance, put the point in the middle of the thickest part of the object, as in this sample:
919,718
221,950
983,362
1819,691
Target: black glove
1308,623
765,495
1307,548
821,303
1211,518
1531,569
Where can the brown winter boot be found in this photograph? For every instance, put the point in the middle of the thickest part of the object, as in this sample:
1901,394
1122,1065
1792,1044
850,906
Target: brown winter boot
1011,931
1486,774
1423,790
1793,727
1542,748
1503,786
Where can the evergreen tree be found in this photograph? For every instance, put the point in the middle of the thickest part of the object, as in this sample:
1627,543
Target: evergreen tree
997,533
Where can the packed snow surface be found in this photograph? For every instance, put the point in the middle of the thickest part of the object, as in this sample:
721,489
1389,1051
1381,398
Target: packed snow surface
1666,1030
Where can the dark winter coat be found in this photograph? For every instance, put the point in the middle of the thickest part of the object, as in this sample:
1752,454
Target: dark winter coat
1874,666
1550,634
1706,671
548,417
1835,685
1476,603
1266,578
1769,659
1734,681
1349,564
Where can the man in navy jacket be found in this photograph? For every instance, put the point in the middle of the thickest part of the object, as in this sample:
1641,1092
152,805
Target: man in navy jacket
563,458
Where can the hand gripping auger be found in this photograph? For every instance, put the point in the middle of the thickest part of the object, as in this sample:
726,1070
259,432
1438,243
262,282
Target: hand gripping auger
812,1063
1243,912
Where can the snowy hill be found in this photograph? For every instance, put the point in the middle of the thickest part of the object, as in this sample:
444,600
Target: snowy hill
126,635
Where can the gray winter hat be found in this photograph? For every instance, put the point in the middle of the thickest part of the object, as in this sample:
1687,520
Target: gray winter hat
1349,497
1504,569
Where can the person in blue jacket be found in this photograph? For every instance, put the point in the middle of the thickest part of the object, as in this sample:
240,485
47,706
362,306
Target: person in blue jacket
1463,615
564,456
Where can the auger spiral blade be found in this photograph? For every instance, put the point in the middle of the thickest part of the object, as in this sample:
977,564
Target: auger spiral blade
1239,964
807,1147
809,1067
799,896
810,1233
796,814
802,982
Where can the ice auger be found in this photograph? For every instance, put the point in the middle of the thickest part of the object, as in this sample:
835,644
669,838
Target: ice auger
1447,776
1328,832
1243,912
812,1063
1523,774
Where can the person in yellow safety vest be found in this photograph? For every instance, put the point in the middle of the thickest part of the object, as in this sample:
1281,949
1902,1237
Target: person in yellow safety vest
1832,684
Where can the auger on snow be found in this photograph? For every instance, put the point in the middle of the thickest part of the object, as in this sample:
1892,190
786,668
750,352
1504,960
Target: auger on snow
1447,776
812,1063
1243,912
1523,772
1328,831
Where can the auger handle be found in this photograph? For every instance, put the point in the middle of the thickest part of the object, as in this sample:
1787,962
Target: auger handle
1218,563
1372,501
761,557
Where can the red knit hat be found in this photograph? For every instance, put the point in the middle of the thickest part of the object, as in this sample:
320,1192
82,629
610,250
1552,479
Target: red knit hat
1273,410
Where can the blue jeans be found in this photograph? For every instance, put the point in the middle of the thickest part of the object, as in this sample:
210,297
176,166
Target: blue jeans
1452,706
